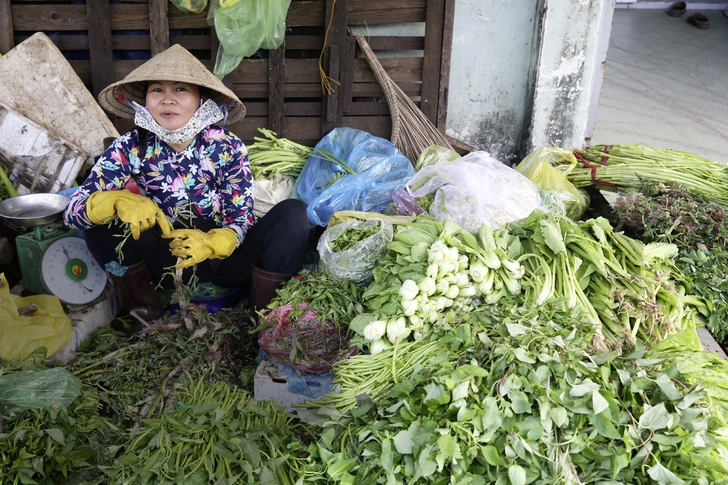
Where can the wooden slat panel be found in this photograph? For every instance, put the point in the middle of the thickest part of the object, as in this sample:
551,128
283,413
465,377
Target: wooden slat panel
431,62
255,71
368,108
49,17
361,90
388,43
380,126
292,108
372,12
349,73
123,17
335,62
136,16
447,33
400,69
276,81
331,99
6,27
159,25
125,42
306,14
99,35
379,43
302,108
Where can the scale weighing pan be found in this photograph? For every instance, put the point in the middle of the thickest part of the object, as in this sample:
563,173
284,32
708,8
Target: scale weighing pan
52,260
30,210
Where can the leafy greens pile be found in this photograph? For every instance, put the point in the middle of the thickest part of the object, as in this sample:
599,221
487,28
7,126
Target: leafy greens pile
698,227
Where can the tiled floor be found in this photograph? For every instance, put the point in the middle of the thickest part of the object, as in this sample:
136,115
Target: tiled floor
666,84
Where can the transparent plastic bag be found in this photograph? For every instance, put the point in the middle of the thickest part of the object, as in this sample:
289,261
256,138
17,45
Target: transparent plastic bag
405,203
558,193
53,388
326,188
435,154
356,262
476,190
190,6
343,216
225,63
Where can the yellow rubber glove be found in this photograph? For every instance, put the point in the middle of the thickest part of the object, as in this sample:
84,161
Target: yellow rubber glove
195,246
141,213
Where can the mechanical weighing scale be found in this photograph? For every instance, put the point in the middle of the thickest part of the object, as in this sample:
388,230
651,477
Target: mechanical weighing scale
53,259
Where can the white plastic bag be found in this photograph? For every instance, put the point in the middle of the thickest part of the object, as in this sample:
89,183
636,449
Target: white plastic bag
268,192
357,262
476,190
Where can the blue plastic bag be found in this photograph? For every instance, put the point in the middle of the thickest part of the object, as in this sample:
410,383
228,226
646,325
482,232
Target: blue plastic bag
380,168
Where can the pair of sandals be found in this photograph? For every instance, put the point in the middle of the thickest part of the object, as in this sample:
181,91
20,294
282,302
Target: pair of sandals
697,19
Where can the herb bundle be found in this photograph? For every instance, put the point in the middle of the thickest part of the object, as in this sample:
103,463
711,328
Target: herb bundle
618,167
698,226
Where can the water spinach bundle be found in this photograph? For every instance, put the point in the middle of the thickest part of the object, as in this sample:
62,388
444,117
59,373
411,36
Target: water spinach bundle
618,167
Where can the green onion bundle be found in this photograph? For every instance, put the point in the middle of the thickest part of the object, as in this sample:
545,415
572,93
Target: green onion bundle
617,167
271,156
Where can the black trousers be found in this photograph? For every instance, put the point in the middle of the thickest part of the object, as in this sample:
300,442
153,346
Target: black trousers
276,243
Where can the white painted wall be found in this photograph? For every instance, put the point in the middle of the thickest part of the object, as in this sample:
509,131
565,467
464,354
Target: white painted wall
521,73
566,67
495,46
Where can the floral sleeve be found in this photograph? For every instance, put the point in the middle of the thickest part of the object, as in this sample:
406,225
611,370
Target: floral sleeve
111,172
236,188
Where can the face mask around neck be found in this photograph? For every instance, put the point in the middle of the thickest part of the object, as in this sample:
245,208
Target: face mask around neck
205,115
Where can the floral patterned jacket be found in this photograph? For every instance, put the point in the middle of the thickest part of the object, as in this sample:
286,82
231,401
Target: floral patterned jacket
213,173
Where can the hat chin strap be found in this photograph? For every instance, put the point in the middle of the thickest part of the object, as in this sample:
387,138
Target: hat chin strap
205,115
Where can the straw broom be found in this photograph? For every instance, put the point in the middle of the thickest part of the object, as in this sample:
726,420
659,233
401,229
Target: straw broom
412,132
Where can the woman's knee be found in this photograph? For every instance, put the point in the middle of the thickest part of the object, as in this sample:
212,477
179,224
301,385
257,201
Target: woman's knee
292,215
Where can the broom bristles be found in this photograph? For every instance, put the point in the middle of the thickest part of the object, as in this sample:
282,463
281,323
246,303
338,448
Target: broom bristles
412,131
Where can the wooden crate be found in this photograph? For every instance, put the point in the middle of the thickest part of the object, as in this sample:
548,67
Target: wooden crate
104,40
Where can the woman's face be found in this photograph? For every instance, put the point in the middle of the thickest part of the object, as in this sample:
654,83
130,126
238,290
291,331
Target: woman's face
171,103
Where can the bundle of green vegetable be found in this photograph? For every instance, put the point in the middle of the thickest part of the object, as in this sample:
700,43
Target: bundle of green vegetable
271,155
137,380
435,271
352,236
47,445
215,435
696,225
666,212
523,401
617,167
332,300
350,250
306,325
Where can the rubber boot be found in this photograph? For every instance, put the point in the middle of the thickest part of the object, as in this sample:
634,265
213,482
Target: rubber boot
137,294
264,286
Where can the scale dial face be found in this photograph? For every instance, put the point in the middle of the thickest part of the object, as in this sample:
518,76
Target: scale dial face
71,273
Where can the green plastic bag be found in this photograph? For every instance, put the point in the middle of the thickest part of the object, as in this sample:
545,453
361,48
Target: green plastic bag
244,26
49,389
435,154
190,6
556,191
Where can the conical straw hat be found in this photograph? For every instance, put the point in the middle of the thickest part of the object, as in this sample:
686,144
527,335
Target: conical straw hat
174,64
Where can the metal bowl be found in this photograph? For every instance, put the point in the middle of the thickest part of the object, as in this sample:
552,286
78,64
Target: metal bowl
33,209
